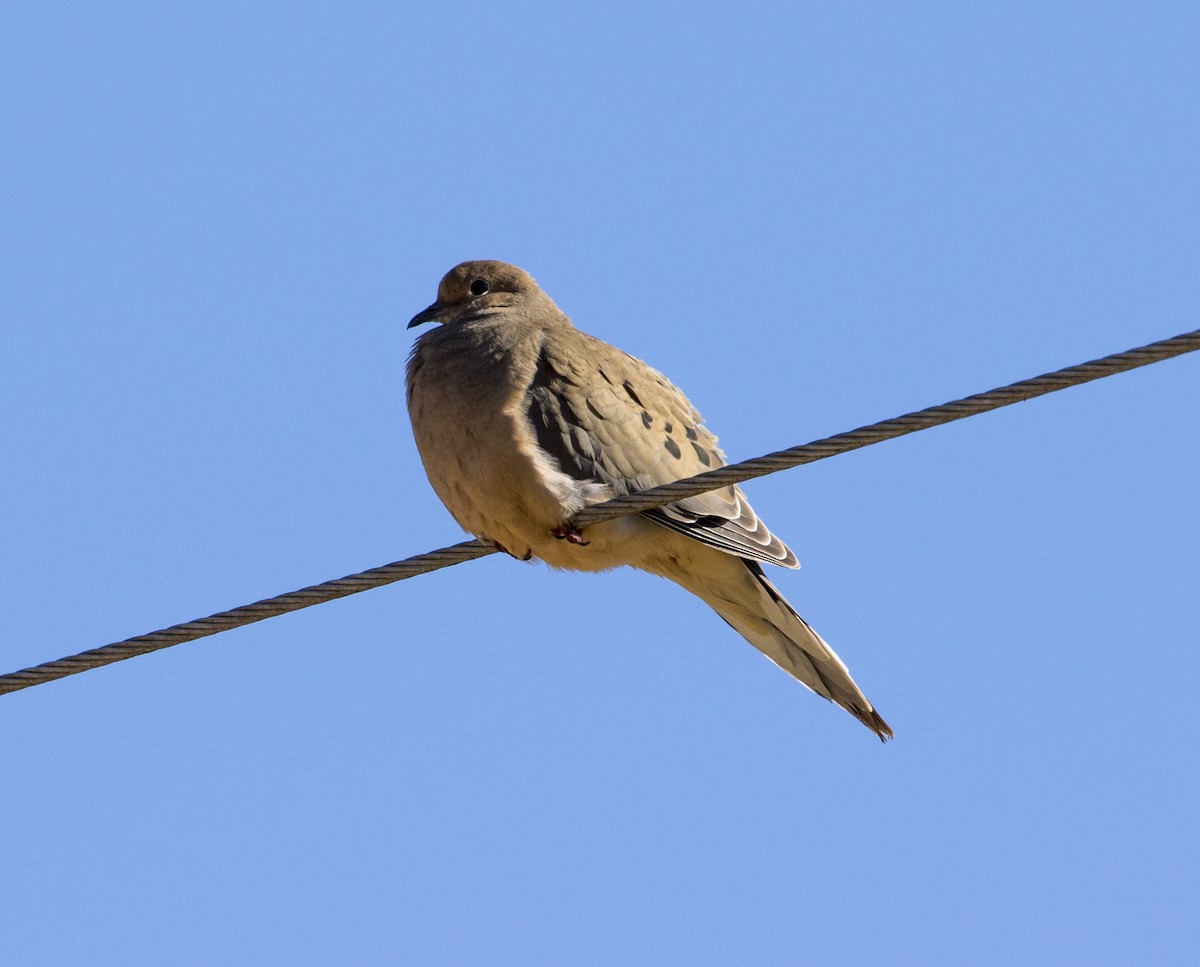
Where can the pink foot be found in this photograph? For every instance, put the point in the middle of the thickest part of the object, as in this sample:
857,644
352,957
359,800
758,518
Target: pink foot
565,532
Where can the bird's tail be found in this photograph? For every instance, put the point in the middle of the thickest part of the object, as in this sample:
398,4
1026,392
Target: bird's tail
756,610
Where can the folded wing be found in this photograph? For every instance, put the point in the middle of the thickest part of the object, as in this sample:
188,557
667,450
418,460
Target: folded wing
607,417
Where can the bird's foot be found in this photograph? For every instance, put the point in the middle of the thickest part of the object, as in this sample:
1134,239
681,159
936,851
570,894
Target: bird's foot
565,532
501,547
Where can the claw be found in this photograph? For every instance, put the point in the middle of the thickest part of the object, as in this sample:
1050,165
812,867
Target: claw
565,532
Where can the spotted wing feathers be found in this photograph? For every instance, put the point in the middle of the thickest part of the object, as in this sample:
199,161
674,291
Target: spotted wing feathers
607,417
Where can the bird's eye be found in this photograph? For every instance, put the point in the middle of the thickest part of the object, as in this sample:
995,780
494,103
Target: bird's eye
480,287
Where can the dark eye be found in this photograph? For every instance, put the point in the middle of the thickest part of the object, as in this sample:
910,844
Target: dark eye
480,287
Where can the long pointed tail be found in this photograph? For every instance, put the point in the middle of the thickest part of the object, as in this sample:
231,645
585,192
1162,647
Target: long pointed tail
754,608
793,645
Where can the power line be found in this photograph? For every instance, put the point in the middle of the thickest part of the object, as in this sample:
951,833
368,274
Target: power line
864,436
617,507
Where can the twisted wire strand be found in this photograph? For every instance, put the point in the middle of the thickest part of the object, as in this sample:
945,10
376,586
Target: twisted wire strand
864,436
617,507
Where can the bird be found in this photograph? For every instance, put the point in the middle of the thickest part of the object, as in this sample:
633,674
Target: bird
521,420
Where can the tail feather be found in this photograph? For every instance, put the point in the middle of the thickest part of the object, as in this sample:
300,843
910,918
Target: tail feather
756,610
805,647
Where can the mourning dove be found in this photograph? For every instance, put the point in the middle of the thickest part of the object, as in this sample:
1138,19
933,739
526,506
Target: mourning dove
521,420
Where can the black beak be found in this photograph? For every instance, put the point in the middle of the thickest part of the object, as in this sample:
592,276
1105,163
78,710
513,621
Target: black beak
432,314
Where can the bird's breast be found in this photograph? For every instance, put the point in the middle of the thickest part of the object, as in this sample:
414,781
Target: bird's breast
470,420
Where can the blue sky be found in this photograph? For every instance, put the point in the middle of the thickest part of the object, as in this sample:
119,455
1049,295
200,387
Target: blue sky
218,218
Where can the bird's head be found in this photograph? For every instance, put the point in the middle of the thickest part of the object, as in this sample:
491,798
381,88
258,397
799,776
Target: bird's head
475,289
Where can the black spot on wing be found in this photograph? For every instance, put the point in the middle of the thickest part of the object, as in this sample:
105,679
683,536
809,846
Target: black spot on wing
702,454
646,419
673,448
632,394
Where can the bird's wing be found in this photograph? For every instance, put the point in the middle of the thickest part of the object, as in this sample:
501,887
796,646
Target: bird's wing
607,417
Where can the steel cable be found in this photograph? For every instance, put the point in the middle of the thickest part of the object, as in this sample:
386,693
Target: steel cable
617,507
